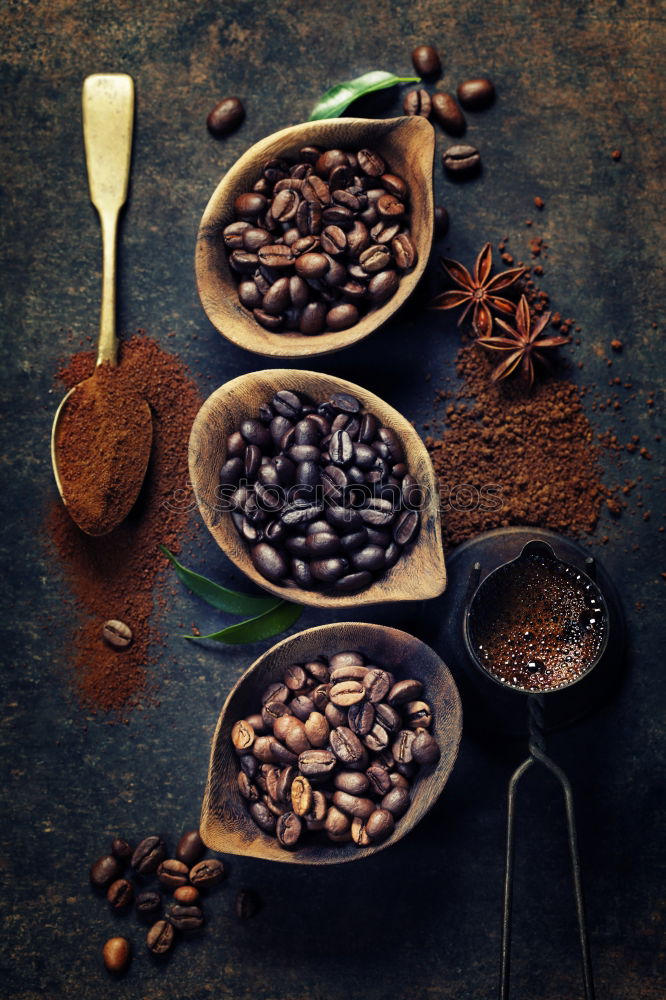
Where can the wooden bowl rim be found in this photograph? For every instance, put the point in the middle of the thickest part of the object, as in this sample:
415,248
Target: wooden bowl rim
439,776
423,587
241,329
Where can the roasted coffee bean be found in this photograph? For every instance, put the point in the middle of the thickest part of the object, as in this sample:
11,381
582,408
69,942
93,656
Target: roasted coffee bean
417,102
461,160
353,805
247,789
382,286
301,795
359,833
379,779
233,234
172,873
327,571
380,824
406,527
284,205
226,116
346,745
377,739
375,259
187,895
337,825
246,904
210,872
292,732
361,718
302,705
371,163
402,746
396,800
370,558
425,749
105,870
116,955
249,206
404,691
186,918
376,681
442,221
117,634
160,938
417,714
276,255
254,237
346,693
250,295
426,61
269,561
148,905
388,717
352,782
242,736
313,318
446,111
120,894
343,316
404,251
477,93
121,849
316,763
148,854
288,829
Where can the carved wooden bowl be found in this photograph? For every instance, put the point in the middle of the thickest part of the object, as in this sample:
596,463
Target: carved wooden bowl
420,572
226,825
407,144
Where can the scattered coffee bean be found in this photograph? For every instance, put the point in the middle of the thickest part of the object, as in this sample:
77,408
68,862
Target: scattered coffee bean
116,954
172,873
117,634
148,855
121,849
120,894
190,848
442,221
372,735
247,904
426,61
148,905
160,938
297,239
207,873
461,160
225,116
446,112
187,895
105,870
186,918
417,102
477,93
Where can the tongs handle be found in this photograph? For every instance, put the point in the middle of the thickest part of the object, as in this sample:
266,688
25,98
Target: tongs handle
538,755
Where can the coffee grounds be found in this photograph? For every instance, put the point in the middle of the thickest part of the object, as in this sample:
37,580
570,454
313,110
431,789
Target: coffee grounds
118,575
508,456
103,445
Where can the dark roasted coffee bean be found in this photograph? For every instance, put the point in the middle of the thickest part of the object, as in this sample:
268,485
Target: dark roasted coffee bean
441,221
352,582
404,251
247,789
425,749
361,718
417,102
254,432
354,540
120,894
172,873
353,805
338,217
186,918
210,872
269,561
148,905
345,744
426,62
316,191
375,259
226,116
477,93
277,298
313,318
385,231
396,800
160,938
333,240
287,404
377,739
417,715
388,717
461,160
276,255
316,763
371,163
341,448
379,779
148,855
233,234
404,691
312,265
288,829
370,558
249,765
376,682
380,824
284,205
231,472
406,527
328,160
250,295
292,732
246,904
329,570
121,849
382,286
323,544
301,706
253,238
446,111
249,206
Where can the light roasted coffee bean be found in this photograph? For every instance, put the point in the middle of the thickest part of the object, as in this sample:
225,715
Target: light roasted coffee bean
117,634
116,954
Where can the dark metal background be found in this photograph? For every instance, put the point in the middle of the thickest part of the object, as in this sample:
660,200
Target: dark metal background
575,80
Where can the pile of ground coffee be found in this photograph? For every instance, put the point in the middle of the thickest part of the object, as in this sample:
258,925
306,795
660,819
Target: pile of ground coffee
508,456
115,576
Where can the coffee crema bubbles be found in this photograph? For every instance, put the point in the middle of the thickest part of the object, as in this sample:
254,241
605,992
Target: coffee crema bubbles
333,750
320,492
319,242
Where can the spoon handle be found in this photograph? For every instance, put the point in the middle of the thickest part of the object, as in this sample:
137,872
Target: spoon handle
108,117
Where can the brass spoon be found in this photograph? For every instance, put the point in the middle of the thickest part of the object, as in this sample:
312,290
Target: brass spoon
108,113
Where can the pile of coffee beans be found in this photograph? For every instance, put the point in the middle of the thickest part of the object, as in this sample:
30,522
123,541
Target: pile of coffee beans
322,493
139,876
319,242
333,751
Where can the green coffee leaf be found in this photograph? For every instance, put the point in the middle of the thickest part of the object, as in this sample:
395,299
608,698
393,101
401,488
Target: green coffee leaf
339,97
264,626
220,597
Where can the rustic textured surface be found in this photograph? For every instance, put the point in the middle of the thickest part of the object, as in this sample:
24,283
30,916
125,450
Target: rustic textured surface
574,82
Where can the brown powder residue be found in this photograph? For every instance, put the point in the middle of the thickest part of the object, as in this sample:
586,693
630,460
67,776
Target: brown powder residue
115,576
510,457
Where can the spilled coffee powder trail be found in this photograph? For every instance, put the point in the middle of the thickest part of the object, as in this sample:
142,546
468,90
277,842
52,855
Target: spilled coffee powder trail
537,449
117,575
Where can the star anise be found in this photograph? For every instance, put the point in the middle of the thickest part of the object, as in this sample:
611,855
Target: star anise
478,291
524,343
